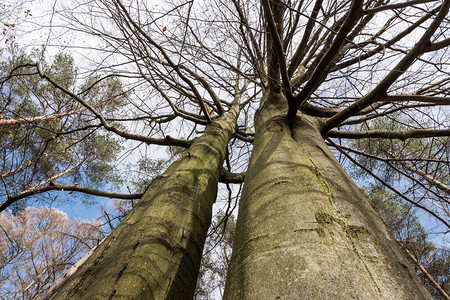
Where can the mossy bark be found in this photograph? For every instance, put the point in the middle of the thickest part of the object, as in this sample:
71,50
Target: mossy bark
155,252
304,229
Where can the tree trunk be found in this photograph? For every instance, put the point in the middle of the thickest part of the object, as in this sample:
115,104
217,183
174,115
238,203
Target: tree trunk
155,252
304,229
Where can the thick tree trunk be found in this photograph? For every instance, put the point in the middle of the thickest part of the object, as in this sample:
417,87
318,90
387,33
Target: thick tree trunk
155,252
304,229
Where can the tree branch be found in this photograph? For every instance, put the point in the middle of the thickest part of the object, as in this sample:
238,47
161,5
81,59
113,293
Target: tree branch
23,120
275,29
321,69
388,44
438,45
381,89
424,271
301,49
62,187
428,177
399,135
417,98
174,66
229,177
259,61
57,284
395,6
167,141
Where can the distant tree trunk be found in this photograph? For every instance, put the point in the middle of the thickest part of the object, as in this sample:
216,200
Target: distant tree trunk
304,229
155,252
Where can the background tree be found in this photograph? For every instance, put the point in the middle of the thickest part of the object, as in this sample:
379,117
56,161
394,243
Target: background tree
12,14
37,245
48,141
305,73
401,219
216,258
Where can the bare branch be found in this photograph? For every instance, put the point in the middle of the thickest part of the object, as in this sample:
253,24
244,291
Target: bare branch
418,98
428,177
228,177
395,6
63,187
381,89
166,57
63,278
321,70
400,135
276,31
438,45
389,43
167,141
301,49
23,120
424,271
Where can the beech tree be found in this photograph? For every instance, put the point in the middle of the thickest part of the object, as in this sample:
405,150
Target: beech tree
308,87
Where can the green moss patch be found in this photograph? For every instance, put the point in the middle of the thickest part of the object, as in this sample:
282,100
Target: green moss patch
352,231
